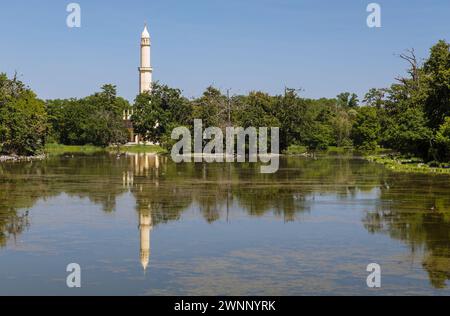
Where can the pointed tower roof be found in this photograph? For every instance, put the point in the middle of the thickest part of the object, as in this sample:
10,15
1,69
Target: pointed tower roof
144,263
145,33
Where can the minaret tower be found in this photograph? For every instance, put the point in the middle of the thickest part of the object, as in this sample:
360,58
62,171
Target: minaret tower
145,70
145,226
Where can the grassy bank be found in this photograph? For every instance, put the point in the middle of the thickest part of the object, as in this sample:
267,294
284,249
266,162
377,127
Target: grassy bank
58,149
296,150
335,150
142,149
303,150
382,156
412,165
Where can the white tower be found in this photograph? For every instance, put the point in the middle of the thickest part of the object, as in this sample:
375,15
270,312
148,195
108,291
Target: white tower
145,226
145,70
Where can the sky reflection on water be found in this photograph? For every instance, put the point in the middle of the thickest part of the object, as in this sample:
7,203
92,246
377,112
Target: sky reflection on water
142,225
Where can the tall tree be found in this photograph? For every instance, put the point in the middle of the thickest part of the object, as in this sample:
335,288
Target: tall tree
23,120
156,113
366,131
437,78
347,99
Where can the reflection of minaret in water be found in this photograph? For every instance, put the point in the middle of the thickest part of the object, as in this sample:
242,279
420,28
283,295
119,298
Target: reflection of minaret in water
140,165
141,168
145,226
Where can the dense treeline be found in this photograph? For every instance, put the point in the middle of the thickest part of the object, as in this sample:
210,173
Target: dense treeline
96,119
27,123
412,116
314,123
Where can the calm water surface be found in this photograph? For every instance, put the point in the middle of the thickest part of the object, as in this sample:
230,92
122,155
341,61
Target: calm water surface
142,225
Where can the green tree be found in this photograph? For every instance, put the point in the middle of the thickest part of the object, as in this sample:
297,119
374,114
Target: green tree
375,97
293,117
96,119
23,120
409,133
105,124
412,111
211,108
255,110
347,99
443,141
366,130
341,124
320,137
156,113
437,79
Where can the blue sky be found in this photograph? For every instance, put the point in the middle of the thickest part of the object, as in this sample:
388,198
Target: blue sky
321,46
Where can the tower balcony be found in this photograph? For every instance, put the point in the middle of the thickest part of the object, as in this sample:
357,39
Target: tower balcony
145,69
145,42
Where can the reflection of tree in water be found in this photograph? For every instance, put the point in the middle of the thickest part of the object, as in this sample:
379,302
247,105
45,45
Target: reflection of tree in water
96,177
12,221
171,188
167,189
416,210
413,208
11,225
23,184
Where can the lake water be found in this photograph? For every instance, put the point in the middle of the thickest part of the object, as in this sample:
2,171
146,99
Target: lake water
143,225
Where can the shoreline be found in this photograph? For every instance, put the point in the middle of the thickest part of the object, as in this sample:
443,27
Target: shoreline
15,158
52,150
391,162
412,165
